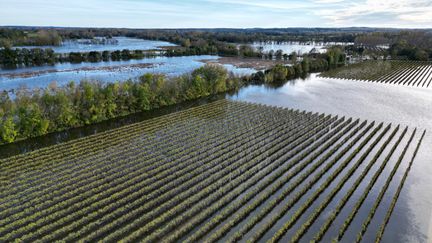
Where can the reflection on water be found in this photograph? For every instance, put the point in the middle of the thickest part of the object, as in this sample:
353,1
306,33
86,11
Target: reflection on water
120,44
373,101
63,73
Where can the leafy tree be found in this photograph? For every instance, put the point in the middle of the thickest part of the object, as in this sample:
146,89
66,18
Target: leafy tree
279,54
8,132
278,73
31,122
335,56
305,64
215,77
293,57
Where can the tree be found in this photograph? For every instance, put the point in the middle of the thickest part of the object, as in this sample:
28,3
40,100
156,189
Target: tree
186,43
305,64
215,77
278,73
5,43
421,55
293,57
335,56
93,56
143,94
279,54
8,132
31,122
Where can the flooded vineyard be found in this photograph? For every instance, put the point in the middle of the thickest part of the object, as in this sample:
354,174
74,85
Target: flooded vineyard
165,179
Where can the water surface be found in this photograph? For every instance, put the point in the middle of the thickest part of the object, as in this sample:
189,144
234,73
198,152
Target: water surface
298,47
63,73
120,44
395,104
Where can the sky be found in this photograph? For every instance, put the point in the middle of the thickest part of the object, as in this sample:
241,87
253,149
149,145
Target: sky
217,13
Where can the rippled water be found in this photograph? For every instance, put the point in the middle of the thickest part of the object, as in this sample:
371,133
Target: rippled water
410,106
63,73
122,43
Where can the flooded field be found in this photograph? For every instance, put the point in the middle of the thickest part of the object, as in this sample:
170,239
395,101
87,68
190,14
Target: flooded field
407,106
63,73
298,47
373,101
116,43
165,179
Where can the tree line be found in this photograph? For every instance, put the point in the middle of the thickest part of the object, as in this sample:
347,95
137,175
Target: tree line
11,58
413,45
280,73
15,37
32,113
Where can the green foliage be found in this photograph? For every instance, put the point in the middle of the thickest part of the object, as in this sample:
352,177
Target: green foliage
280,73
38,112
210,173
8,132
247,51
277,73
38,56
31,121
41,37
54,109
305,64
405,49
293,57
335,56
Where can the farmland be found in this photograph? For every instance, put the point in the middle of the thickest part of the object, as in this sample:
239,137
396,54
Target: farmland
407,73
225,171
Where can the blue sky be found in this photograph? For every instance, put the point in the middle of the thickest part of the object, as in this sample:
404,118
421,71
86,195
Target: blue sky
217,13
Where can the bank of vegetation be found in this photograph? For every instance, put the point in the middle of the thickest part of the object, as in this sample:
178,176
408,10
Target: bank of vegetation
32,113
12,58
190,42
38,37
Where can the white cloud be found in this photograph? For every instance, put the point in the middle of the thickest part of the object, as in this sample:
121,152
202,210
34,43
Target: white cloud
217,13
274,5
328,1
392,13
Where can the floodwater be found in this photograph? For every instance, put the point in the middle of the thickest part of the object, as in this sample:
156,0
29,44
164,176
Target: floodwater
394,104
410,221
298,47
120,43
63,73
